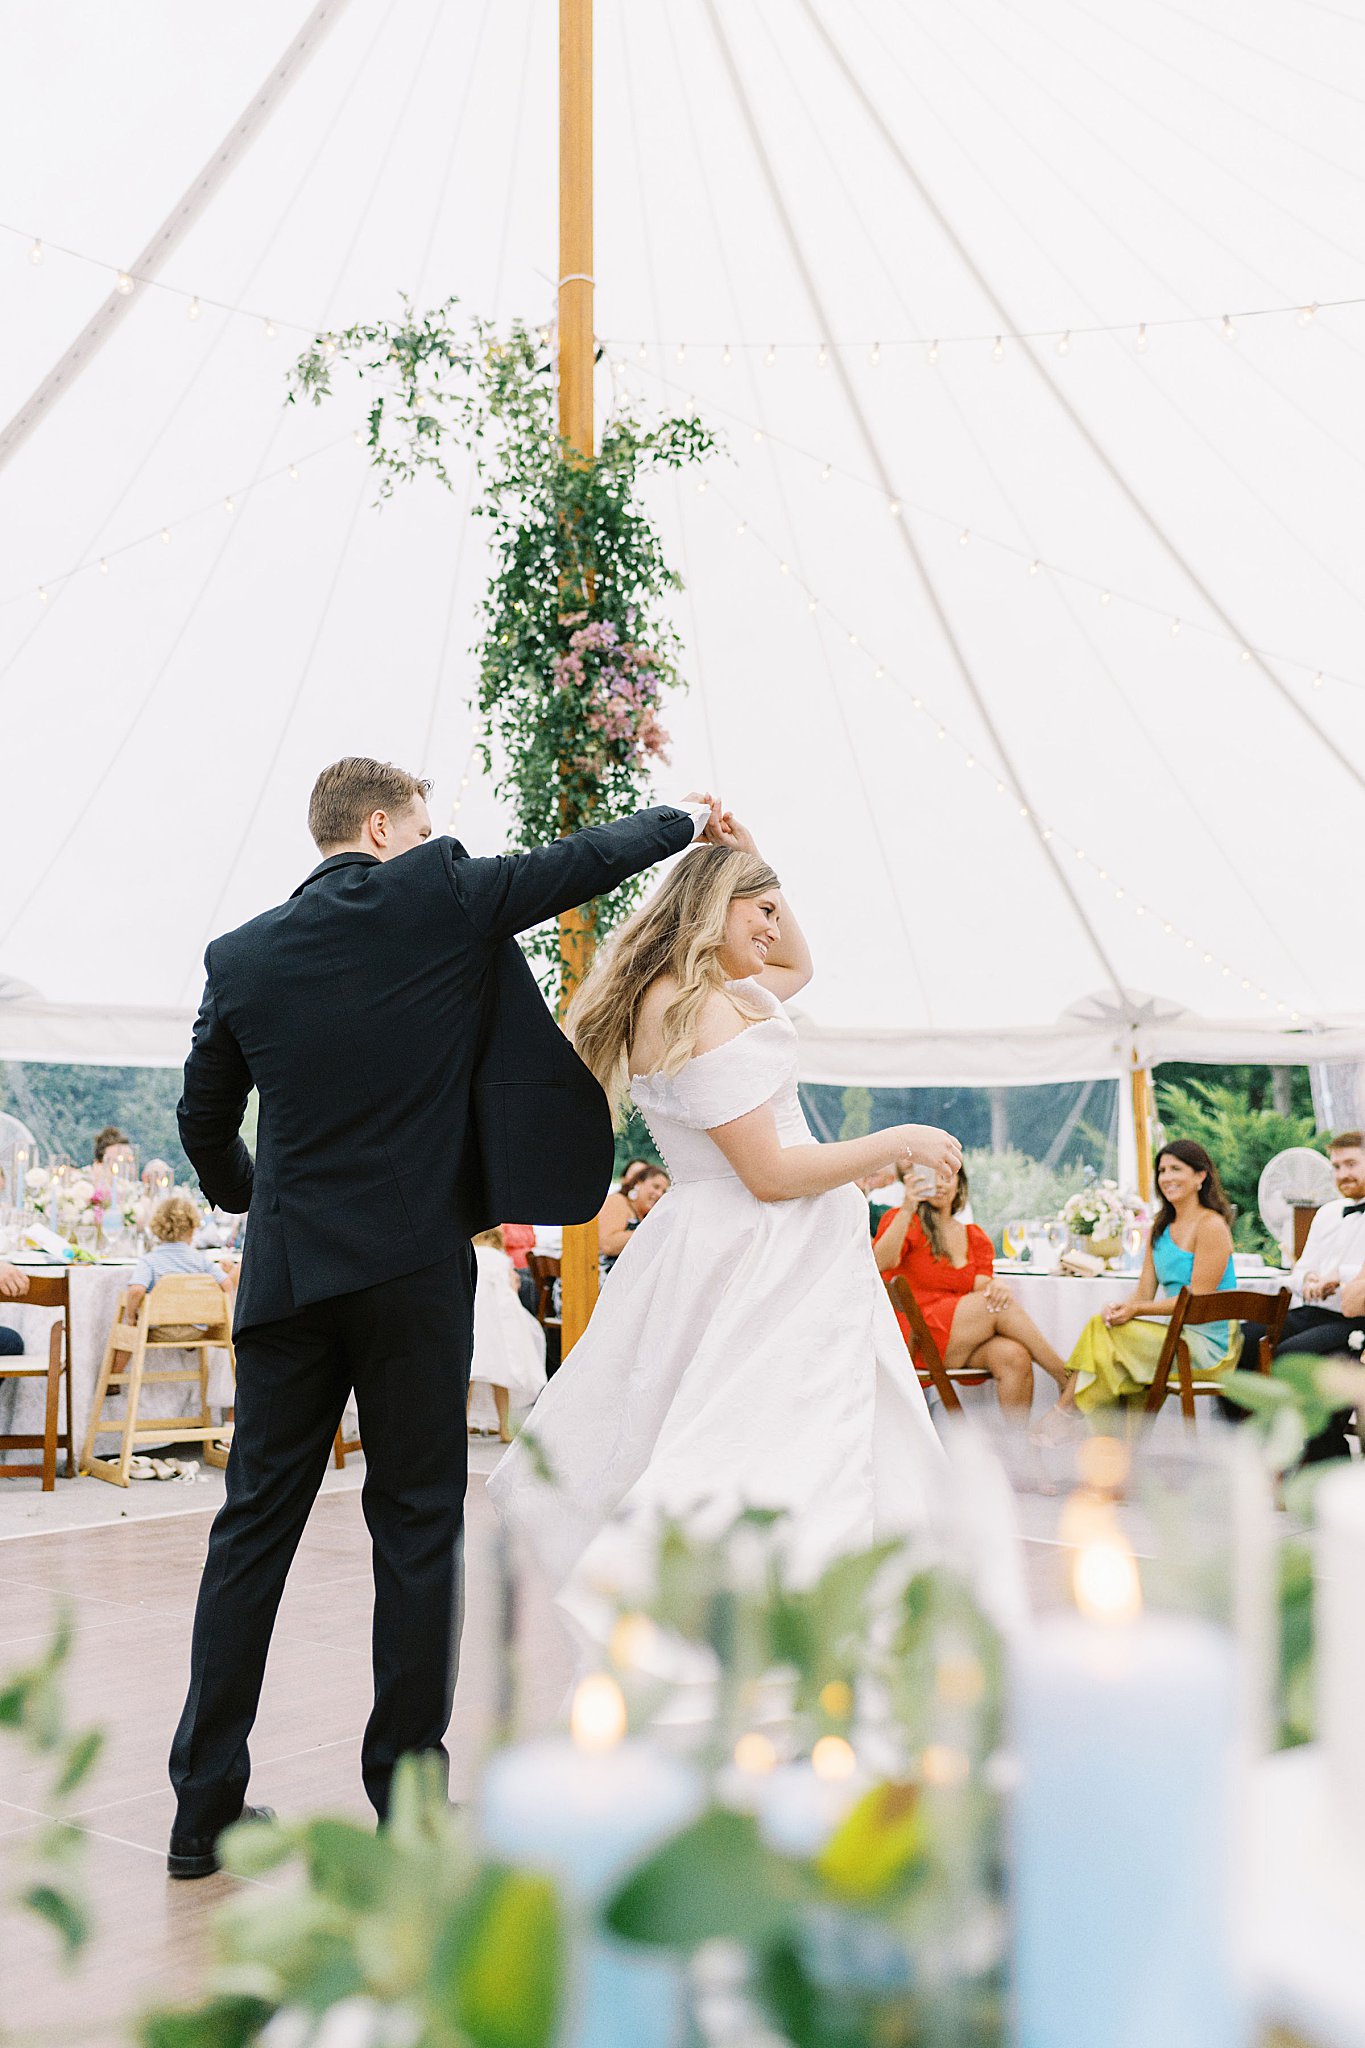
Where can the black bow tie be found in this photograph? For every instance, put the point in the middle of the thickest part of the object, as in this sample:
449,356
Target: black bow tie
1354,1209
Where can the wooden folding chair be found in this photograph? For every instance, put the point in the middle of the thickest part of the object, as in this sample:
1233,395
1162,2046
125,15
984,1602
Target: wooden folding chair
183,1312
44,1291
1174,1373
343,1446
927,1358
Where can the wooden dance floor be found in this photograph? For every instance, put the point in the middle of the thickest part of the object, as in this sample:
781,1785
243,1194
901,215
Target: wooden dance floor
131,1587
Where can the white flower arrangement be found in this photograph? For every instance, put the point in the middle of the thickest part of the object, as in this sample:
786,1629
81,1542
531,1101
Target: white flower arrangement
1100,1210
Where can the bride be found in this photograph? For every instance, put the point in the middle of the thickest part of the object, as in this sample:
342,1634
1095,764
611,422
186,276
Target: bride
743,1352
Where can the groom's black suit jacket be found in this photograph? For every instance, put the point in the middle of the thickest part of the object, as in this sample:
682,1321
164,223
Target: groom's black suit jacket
413,1086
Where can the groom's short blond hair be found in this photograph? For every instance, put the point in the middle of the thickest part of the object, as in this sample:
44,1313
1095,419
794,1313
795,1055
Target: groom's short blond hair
348,792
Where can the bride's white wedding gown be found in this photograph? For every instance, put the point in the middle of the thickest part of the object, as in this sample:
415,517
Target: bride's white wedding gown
742,1354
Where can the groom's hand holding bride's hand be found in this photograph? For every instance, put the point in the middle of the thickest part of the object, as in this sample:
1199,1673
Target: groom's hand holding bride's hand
726,830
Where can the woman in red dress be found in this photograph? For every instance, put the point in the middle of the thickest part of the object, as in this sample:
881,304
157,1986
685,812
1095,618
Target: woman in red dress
972,1316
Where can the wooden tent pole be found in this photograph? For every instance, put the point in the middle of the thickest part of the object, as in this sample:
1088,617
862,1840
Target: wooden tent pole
576,353
1141,1082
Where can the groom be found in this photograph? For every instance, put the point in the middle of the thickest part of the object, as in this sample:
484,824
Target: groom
413,1089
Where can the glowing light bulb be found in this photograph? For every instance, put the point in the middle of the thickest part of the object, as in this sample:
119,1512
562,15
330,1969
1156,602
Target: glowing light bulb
104,566
1142,339
874,354
35,254
1228,331
269,330
229,505
42,594
998,352
827,472
166,534
1106,597
784,569
1034,567
743,527
758,434
853,639
642,352
940,732
329,347
1175,627
123,284
878,672
193,310
970,761
680,352
964,536
942,1765
358,437
1307,314
1064,345
727,355
292,472
932,356
811,603
822,355
894,507
1246,654
1317,680
769,356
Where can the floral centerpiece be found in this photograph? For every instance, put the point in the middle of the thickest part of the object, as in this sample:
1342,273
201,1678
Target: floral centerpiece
69,1203
1098,1216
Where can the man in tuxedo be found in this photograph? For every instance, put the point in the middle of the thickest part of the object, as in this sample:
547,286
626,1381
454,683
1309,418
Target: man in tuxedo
413,1089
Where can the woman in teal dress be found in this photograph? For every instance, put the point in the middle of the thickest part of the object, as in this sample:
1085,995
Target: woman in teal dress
1190,1246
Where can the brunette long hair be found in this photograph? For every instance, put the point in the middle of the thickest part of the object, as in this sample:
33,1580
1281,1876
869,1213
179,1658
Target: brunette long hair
1211,1194
933,1222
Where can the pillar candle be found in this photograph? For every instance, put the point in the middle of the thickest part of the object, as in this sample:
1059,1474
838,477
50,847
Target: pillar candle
584,1811
1339,1676
1127,1746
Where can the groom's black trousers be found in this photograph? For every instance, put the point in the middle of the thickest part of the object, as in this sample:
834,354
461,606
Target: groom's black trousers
404,1346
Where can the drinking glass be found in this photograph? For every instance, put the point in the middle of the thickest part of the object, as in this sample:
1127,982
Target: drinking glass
1012,1238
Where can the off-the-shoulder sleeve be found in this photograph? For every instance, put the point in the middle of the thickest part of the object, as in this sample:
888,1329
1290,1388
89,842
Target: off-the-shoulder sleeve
718,1086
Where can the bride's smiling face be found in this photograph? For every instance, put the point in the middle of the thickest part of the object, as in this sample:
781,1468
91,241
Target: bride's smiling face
752,930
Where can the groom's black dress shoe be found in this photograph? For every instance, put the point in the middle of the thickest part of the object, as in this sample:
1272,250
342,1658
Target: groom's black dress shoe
197,1855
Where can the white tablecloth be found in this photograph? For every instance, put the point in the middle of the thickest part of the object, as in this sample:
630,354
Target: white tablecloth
94,1295
1062,1305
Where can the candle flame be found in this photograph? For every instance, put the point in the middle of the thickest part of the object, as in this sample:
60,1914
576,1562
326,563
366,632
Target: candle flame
597,1719
1105,1579
833,1759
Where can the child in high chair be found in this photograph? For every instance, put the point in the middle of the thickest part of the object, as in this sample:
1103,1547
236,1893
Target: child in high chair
174,1222
509,1344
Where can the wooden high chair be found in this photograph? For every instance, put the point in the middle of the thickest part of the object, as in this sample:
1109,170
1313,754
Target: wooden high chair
183,1312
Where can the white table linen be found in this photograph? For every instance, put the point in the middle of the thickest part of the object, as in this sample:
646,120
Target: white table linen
94,1296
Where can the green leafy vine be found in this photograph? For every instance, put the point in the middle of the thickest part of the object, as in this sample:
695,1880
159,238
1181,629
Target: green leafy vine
577,652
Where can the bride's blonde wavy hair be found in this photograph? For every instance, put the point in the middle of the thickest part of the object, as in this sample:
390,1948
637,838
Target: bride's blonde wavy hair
678,932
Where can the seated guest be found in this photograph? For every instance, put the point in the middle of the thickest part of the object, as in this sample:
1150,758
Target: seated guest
509,1345
174,1222
972,1316
626,1210
13,1287
1190,1245
519,1241
113,1148
631,1171
1328,1284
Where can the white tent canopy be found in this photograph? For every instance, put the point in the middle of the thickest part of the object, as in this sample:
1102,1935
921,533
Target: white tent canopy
1034,663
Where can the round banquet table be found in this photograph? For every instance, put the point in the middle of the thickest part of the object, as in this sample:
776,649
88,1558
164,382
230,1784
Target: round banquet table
1061,1304
94,1296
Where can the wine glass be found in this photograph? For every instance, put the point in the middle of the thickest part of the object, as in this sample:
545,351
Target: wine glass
1012,1238
1134,1238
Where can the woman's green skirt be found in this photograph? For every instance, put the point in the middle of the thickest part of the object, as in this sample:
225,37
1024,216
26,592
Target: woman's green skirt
1114,1365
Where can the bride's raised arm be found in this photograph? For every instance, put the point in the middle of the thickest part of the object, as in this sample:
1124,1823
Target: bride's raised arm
782,1173
790,965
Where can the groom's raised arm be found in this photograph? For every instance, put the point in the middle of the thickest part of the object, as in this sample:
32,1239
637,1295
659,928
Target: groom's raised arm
510,892
210,1111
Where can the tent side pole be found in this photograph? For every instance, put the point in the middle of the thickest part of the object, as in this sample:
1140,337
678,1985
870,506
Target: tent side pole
578,1267
1140,1082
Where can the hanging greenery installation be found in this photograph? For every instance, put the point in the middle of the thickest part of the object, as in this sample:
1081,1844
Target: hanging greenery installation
577,651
